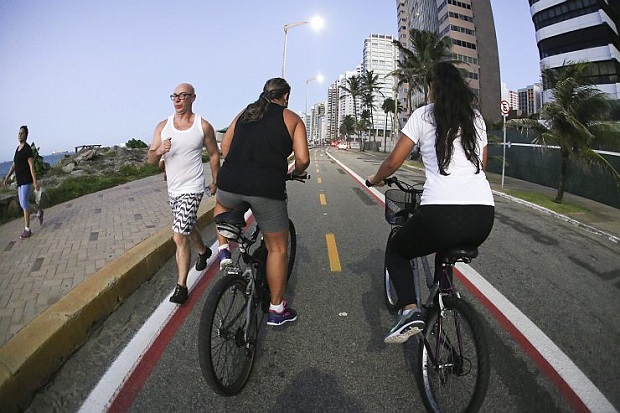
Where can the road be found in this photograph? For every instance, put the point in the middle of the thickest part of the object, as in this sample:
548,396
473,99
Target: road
558,276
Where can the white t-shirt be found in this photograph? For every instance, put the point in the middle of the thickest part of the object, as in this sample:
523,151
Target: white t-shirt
463,186
184,169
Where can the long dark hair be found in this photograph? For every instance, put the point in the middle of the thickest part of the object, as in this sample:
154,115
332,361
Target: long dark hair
453,112
274,89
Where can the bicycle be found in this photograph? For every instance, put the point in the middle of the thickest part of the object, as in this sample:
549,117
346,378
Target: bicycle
453,354
230,319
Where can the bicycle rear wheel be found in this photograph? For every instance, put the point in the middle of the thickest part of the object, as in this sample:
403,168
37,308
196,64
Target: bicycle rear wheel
226,357
454,359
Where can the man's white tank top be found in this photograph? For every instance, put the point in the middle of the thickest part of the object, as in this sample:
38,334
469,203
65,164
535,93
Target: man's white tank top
184,169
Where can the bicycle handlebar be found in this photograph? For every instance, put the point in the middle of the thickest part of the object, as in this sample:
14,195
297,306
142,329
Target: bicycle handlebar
299,178
403,186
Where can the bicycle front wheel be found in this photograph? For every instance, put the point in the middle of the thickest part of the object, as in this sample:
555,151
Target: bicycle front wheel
391,299
454,359
225,351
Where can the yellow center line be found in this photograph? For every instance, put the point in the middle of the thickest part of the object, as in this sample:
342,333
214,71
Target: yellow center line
319,180
332,253
322,199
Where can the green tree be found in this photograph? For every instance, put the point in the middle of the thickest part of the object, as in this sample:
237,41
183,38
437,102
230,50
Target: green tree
576,120
427,48
347,127
40,166
370,86
389,107
354,88
135,144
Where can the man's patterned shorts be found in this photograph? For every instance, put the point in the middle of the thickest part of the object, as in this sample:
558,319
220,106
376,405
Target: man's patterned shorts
184,211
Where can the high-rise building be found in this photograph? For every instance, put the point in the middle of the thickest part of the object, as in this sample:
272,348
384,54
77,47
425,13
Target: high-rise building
379,56
530,100
470,26
569,31
331,112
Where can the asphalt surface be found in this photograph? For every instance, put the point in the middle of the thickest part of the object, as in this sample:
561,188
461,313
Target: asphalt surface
93,252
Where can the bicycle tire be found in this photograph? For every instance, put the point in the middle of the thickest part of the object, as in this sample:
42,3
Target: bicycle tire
226,358
291,248
457,383
390,296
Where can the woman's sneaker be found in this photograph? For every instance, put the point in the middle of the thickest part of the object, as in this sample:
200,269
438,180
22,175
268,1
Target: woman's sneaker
225,258
25,234
277,319
406,326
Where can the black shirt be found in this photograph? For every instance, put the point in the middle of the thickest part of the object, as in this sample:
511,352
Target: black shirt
22,168
256,163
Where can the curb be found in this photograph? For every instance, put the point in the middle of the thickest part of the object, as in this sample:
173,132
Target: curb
36,352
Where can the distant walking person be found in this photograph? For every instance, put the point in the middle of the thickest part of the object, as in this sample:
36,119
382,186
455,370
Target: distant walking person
181,138
26,177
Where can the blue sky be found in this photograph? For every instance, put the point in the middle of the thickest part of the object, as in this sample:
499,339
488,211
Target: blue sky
100,72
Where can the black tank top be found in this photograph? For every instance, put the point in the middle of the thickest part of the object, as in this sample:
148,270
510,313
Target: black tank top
256,163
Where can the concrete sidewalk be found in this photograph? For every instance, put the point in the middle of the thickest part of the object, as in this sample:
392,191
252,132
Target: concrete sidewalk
94,251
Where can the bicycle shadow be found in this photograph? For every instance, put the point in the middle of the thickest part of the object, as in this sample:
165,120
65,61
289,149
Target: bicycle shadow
315,391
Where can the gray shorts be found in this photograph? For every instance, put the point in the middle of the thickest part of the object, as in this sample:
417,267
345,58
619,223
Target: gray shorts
271,214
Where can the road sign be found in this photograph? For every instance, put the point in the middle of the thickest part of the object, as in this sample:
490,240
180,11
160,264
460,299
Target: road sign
504,107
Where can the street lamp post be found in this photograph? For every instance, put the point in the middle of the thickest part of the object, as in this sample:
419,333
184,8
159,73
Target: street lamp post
318,78
316,22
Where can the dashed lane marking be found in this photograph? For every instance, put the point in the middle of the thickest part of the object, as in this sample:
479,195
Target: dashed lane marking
322,199
332,253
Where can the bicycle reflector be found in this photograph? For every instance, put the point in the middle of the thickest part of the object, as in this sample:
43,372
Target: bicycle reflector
229,231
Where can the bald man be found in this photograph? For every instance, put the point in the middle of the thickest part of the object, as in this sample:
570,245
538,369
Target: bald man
181,138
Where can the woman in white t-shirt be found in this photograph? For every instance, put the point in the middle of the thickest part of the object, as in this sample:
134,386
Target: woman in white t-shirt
457,203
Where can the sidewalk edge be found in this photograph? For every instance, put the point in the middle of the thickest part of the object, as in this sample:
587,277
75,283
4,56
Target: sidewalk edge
31,357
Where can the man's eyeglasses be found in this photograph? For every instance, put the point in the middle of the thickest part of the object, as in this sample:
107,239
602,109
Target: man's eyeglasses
180,96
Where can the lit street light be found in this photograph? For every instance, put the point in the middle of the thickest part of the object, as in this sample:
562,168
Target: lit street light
316,24
318,78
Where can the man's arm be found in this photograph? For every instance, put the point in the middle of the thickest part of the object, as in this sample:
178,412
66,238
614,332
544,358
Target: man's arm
33,173
214,154
156,150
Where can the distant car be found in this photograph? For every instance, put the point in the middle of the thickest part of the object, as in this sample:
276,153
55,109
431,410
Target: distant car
343,146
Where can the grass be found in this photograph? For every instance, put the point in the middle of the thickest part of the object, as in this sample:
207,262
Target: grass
545,201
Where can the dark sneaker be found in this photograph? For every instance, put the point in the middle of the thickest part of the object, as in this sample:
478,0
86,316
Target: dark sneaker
180,294
40,216
277,319
201,264
225,258
405,327
25,234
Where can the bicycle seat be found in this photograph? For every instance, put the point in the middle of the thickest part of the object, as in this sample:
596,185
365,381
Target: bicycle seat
464,253
234,216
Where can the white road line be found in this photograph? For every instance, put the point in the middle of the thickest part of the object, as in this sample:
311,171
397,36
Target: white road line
104,393
574,378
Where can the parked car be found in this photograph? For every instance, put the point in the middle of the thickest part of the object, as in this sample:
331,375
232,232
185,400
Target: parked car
343,145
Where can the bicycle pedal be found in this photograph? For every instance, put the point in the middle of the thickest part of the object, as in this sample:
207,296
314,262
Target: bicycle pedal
232,270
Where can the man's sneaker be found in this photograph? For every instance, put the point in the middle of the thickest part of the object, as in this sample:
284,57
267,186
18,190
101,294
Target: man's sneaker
40,215
277,319
225,258
25,234
405,327
180,295
201,264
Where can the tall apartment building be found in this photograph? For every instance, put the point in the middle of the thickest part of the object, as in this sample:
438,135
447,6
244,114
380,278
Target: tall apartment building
530,100
470,26
331,112
580,30
379,56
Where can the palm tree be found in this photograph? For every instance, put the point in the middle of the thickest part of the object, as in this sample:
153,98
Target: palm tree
427,48
574,121
354,88
347,127
370,85
389,107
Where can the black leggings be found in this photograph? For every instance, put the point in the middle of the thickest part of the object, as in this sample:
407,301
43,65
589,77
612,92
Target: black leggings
434,228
